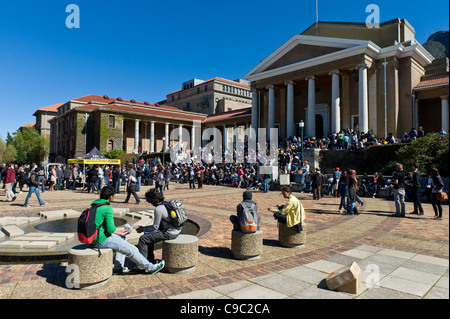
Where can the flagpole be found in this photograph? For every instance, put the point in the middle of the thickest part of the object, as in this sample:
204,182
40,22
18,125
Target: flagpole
317,17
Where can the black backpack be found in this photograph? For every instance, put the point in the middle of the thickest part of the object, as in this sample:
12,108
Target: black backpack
87,232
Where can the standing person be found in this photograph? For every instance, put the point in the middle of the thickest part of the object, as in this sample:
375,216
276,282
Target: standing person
167,177
398,182
415,192
116,178
335,183
132,184
53,178
110,237
343,191
10,179
59,177
162,228
191,178
352,192
436,187
292,213
66,176
159,183
101,176
246,204
316,184
74,176
33,187
200,177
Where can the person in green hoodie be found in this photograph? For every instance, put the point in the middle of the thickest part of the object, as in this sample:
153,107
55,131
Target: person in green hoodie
110,237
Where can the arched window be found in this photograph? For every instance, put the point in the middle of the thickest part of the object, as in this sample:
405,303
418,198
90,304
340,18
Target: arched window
110,145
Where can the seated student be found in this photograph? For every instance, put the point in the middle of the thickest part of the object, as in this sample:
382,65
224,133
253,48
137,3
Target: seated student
247,203
109,237
162,228
292,213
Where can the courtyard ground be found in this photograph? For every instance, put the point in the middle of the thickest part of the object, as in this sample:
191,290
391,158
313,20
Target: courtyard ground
410,255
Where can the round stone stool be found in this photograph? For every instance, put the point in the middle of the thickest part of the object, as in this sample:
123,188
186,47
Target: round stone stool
247,246
180,254
86,270
291,238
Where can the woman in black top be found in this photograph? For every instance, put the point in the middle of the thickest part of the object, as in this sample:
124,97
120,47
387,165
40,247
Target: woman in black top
436,187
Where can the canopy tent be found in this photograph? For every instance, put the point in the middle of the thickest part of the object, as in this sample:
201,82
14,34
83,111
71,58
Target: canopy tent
93,157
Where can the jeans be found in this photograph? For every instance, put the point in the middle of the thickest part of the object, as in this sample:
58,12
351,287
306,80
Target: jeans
34,189
132,190
437,207
124,249
399,198
41,179
343,193
266,185
147,243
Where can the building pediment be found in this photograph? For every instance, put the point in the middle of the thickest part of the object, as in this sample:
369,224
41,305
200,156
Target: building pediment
302,49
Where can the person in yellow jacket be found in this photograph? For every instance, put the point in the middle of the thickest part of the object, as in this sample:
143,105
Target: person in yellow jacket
292,213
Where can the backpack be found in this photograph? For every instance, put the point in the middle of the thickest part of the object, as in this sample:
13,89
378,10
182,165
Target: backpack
176,212
87,232
247,218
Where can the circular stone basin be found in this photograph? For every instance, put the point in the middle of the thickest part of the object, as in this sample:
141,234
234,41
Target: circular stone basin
64,226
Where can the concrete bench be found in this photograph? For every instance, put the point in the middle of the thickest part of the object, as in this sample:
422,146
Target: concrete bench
180,254
86,269
291,238
247,246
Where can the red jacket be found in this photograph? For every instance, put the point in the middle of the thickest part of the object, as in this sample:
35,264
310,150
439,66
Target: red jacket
10,176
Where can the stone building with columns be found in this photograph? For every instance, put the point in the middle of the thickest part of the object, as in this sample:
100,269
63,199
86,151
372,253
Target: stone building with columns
338,75
115,123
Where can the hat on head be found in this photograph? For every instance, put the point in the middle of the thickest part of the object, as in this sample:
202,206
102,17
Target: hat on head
247,195
306,162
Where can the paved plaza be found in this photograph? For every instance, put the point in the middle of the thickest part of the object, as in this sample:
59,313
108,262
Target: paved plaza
400,258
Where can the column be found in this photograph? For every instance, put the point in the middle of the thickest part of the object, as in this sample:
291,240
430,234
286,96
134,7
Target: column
225,137
363,104
180,136
254,112
444,112
193,136
311,120
215,139
136,136
290,124
145,144
166,134
271,109
335,102
152,136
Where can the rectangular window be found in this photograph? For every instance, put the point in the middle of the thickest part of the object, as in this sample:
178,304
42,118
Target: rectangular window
112,121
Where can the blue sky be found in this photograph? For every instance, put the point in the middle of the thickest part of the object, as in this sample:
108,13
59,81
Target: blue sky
144,49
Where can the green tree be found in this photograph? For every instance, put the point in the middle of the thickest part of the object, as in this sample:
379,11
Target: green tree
30,145
430,151
8,153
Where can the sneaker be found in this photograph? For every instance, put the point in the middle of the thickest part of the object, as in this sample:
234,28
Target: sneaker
158,267
26,205
44,204
14,198
120,271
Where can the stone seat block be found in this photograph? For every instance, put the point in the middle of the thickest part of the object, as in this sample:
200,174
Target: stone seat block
247,246
291,238
180,254
40,245
88,270
346,279
12,230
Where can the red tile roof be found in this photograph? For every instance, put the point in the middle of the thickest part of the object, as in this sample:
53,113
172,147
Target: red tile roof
145,110
229,115
440,79
29,125
53,107
106,99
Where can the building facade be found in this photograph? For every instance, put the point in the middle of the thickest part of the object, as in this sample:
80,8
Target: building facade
135,127
335,76
213,96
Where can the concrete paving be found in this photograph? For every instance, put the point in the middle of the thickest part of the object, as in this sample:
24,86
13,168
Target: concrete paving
400,258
